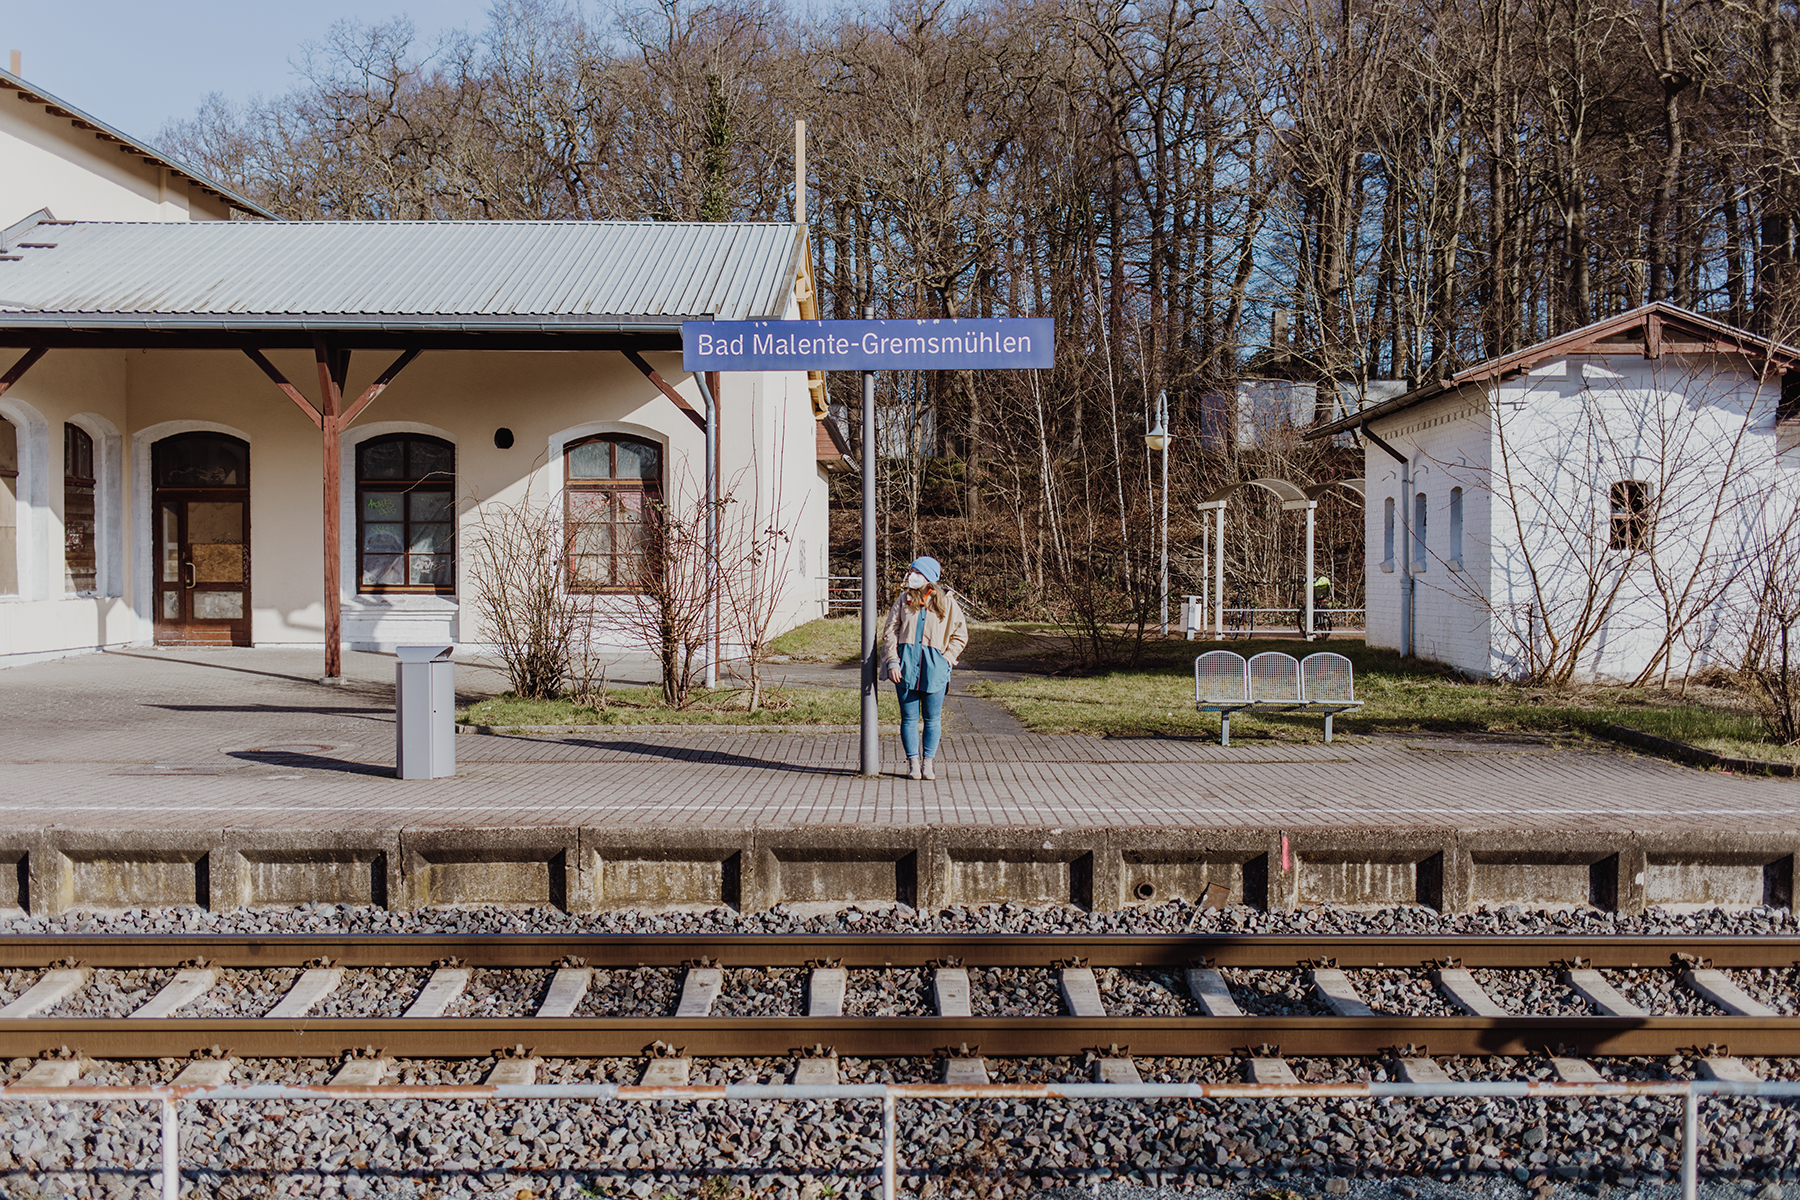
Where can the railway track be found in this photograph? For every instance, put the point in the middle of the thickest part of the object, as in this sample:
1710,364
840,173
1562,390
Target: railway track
996,1059
1203,977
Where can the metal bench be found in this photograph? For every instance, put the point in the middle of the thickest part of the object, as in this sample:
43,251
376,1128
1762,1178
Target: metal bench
1272,682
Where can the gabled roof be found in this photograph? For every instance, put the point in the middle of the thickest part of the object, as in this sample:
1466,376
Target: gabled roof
33,94
393,276
832,449
1652,330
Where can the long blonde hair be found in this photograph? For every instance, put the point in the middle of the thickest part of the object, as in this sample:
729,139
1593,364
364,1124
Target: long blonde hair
916,597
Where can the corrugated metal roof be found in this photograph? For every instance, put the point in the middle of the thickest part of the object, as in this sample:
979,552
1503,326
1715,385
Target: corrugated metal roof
81,120
399,273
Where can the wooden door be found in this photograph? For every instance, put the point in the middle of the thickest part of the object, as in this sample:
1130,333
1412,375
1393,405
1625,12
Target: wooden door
202,541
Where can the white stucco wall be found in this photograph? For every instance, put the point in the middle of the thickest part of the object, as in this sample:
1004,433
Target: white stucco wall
45,162
41,619
1447,443
1537,476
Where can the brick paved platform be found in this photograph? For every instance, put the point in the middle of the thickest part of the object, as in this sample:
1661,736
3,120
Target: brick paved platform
234,776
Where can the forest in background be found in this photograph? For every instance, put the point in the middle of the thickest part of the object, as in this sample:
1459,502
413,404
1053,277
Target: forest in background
1198,194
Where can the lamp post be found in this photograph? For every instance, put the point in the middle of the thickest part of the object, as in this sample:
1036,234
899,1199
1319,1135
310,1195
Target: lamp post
1157,438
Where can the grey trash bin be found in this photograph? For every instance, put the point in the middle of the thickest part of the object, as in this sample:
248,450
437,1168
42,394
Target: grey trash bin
424,712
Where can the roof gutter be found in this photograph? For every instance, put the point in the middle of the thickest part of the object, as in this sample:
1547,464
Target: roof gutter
1358,420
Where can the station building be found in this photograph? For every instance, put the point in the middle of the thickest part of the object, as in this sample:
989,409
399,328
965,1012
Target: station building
225,429
1615,493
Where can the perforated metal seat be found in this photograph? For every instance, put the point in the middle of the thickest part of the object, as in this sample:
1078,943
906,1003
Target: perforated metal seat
1274,679
1272,682
1328,686
1221,685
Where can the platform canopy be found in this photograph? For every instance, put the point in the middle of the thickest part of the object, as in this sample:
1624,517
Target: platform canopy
515,285
400,287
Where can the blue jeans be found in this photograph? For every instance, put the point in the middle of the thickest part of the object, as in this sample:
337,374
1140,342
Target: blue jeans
913,706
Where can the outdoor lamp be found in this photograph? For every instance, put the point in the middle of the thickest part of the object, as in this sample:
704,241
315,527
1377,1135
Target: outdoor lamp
1157,438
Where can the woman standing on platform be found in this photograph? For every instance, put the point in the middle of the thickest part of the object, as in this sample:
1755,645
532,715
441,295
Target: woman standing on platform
924,636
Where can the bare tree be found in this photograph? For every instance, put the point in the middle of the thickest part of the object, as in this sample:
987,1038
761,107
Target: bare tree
521,595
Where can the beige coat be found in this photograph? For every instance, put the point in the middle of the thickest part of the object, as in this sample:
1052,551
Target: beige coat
946,635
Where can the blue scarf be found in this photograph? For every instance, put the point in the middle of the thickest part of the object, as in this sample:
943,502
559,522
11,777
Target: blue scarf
923,668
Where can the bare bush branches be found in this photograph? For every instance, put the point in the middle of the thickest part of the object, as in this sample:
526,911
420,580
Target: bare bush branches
517,577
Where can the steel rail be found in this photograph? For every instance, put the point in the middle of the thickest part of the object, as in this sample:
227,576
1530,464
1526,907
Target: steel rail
893,1037
616,951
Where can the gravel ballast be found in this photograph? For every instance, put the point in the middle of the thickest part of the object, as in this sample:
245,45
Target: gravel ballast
893,992
634,992
762,992
373,992
1428,1150
1175,916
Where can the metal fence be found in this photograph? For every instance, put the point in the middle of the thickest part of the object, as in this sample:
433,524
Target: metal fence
843,593
170,1098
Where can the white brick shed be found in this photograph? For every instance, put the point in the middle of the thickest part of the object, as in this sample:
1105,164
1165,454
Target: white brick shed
1600,505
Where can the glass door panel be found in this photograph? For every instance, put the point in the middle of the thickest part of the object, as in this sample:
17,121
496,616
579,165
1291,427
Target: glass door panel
203,575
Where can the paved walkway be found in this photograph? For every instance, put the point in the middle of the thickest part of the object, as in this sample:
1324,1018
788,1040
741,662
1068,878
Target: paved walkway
248,738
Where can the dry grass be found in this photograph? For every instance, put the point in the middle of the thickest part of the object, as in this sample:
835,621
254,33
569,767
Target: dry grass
1158,698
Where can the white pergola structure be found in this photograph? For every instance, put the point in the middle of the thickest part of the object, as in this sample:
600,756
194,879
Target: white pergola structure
1294,498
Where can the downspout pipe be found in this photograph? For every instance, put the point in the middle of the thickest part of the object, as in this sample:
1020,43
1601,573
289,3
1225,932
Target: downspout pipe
1406,539
712,531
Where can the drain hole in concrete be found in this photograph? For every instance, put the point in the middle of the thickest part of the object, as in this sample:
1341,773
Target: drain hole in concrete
1146,890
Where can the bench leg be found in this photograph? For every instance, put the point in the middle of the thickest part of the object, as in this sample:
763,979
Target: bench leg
1225,728
1328,717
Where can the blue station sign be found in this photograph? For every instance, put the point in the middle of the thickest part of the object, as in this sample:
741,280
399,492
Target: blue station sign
987,344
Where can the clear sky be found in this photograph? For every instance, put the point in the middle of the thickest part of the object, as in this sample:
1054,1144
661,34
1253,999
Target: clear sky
139,64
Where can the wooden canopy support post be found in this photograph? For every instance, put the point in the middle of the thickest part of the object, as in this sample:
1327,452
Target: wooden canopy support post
331,417
662,385
293,393
333,365
379,386
17,371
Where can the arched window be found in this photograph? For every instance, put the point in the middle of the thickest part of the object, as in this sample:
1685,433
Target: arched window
1387,534
1418,533
610,482
80,561
9,508
406,514
1456,527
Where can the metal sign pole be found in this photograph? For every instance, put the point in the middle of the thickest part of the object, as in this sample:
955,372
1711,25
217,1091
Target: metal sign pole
868,346
871,680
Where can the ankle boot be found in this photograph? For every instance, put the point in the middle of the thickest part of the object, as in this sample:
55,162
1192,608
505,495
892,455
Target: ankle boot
912,767
930,768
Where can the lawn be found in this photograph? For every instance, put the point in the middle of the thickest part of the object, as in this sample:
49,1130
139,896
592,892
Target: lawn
644,706
1158,698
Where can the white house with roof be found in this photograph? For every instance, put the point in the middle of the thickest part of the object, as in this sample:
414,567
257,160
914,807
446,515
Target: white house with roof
1601,505
258,432
55,156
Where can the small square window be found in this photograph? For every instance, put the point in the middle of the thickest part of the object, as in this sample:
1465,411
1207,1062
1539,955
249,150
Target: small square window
1630,515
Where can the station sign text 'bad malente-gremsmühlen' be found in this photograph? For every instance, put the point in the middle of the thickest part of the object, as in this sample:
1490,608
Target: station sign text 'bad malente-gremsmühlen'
986,344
